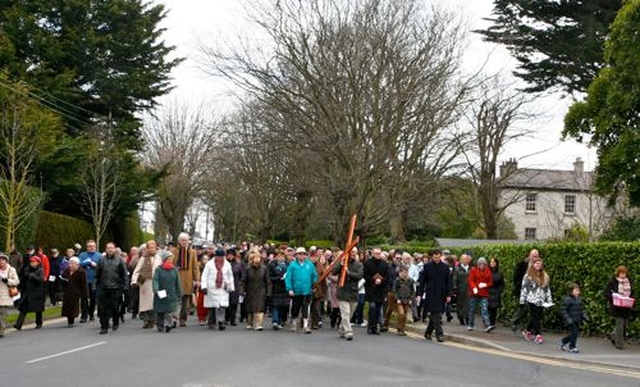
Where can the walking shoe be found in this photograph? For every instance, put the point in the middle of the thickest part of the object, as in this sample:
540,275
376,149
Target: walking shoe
17,327
259,328
103,331
83,320
348,336
527,335
489,328
561,345
440,339
574,350
363,325
427,336
274,326
307,330
402,333
293,326
539,339
384,329
469,328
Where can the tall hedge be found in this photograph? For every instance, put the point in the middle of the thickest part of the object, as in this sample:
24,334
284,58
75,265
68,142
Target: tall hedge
591,265
62,231
128,233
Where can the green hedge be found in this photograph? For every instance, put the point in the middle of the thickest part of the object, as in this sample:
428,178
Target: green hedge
591,265
128,233
62,231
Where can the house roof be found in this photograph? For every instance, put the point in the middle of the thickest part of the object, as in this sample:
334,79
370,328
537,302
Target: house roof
455,242
545,179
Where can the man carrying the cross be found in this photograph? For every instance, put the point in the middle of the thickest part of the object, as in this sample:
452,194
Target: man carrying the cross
348,294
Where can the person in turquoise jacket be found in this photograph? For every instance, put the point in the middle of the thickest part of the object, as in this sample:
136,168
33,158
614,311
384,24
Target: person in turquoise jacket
299,280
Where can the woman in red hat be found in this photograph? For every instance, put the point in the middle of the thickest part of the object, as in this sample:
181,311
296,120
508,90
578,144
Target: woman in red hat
31,292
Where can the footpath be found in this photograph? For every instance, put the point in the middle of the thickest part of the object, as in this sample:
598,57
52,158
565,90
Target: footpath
593,350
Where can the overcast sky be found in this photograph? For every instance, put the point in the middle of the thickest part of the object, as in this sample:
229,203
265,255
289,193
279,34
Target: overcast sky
190,21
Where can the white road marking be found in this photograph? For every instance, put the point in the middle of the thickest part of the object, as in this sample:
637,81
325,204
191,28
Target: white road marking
65,352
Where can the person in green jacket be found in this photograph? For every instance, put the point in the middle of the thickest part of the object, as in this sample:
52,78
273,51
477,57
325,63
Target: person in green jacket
167,291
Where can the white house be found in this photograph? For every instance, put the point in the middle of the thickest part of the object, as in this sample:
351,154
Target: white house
545,204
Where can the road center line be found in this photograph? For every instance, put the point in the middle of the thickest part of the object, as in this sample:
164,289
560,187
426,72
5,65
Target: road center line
65,352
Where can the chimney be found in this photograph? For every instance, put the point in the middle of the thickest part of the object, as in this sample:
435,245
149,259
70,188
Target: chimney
578,166
508,167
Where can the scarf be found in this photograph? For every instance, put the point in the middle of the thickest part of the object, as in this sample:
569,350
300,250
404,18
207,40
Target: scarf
624,287
147,267
167,265
183,258
219,262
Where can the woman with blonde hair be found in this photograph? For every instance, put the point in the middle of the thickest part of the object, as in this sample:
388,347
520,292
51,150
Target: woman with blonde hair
255,285
536,294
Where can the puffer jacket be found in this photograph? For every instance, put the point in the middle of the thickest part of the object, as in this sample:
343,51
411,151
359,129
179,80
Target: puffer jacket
477,277
12,280
572,310
533,294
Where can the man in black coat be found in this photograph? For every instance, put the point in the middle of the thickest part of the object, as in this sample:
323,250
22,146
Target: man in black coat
375,286
435,287
518,275
111,280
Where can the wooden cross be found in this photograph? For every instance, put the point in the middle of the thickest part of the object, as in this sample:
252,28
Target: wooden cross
344,257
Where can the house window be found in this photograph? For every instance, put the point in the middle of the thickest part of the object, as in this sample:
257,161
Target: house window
530,202
570,204
529,233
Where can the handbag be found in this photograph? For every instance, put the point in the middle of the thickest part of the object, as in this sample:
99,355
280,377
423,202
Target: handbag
13,291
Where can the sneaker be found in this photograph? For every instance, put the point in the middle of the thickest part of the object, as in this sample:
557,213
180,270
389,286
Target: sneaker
562,346
539,339
574,350
259,328
348,336
274,326
527,335
363,325
469,328
489,328
402,333
307,330
280,326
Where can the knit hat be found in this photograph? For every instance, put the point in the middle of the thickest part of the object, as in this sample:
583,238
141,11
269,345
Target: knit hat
166,255
220,253
482,260
4,256
36,258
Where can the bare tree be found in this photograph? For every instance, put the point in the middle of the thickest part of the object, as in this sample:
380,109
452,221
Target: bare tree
181,141
366,90
493,116
101,177
24,128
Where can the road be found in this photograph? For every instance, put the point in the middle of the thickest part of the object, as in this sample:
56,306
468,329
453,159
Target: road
194,356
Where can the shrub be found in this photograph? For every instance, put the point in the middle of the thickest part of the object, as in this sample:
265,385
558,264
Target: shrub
62,231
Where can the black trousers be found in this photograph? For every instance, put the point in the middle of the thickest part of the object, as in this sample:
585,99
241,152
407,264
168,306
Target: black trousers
300,303
435,324
535,318
23,315
109,304
88,306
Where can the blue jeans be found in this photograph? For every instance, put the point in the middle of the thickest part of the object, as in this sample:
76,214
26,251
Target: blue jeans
484,310
572,337
358,316
375,311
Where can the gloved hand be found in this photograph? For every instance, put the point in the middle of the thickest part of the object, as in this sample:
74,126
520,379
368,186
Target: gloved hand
5,279
204,290
475,290
482,285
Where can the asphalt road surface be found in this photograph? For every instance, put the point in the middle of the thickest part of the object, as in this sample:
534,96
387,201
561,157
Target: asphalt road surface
194,356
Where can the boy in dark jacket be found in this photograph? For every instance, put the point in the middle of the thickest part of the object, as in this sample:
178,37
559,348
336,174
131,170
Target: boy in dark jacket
404,292
572,314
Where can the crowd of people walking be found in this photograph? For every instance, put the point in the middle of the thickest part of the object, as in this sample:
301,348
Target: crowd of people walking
296,288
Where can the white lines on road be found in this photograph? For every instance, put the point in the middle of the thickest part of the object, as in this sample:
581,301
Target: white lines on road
65,352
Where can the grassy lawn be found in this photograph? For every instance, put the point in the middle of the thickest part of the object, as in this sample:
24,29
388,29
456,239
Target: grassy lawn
47,314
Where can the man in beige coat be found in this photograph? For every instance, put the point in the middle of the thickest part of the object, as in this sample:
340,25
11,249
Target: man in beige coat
186,261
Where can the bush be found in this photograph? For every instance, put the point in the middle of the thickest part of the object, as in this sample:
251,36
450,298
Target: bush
62,231
128,233
26,234
591,265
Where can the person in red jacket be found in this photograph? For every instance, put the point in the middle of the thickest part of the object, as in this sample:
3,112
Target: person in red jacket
45,263
479,282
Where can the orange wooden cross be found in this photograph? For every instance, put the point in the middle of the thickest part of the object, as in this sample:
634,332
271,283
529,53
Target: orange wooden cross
343,257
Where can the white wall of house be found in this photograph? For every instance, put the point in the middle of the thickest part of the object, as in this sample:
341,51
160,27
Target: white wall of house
550,220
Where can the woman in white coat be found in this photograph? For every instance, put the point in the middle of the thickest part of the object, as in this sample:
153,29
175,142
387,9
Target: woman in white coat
142,277
216,283
8,278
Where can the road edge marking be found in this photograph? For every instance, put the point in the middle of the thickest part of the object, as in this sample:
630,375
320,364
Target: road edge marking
65,352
